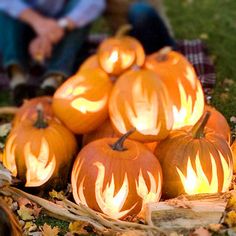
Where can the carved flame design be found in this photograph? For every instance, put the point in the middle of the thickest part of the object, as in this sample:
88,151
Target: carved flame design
190,111
39,170
197,182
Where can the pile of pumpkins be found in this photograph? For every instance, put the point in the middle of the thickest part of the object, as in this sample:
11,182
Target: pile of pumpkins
146,132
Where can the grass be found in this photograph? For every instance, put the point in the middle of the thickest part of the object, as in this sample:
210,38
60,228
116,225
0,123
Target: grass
215,22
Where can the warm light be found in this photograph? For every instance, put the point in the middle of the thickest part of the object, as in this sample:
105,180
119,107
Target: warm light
189,112
39,170
196,182
114,56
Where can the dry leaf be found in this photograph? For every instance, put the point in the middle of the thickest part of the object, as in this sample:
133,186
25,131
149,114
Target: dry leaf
201,232
58,195
5,129
78,227
47,230
215,227
230,219
26,213
233,119
30,226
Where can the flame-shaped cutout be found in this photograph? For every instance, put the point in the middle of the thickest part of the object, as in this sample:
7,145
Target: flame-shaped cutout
191,76
197,182
110,204
189,113
39,170
155,191
84,106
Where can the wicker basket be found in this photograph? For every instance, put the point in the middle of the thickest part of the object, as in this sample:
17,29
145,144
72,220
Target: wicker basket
116,13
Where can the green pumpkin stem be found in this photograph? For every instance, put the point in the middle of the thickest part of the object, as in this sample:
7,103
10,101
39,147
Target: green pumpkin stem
40,123
123,30
198,128
119,144
162,53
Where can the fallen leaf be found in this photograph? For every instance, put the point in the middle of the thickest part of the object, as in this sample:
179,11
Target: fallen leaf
48,230
58,195
230,219
29,226
26,213
78,227
201,232
233,119
5,129
215,227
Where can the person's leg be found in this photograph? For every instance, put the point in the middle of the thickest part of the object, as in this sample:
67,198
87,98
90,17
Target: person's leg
149,28
14,40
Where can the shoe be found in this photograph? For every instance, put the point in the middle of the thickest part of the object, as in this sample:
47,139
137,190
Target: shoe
22,92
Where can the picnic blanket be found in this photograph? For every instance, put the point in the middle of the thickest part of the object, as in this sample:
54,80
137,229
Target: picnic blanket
195,50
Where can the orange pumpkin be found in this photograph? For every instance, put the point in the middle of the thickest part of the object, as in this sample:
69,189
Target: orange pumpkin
39,150
115,178
139,99
90,63
117,54
28,108
218,123
81,102
195,160
233,148
184,88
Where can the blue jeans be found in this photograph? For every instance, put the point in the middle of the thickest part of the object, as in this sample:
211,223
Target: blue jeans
15,38
149,28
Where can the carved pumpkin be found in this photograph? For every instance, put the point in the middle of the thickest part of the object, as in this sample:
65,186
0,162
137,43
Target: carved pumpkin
195,160
139,99
117,54
182,83
233,148
40,149
218,123
90,63
81,102
116,179
28,108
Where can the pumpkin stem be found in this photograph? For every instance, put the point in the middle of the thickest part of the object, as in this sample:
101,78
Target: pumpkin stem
198,128
123,30
118,145
162,53
40,122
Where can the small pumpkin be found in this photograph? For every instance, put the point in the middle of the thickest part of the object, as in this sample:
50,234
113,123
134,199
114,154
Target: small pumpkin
218,123
117,54
195,160
38,150
140,99
116,177
81,102
184,87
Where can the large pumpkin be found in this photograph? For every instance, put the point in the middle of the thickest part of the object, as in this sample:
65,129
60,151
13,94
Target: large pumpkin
90,63
28,108
117,54
182,83
195,160
40,149
139,99
233,147
115,178
81,102
218,123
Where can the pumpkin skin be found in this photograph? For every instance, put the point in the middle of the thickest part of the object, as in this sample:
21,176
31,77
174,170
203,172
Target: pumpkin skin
182,83
90,63
40,155
81,102
28,108
233,148
102,178
195,164
218,123
117,54
140,100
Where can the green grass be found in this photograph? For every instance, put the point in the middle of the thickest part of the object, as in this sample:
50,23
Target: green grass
215,20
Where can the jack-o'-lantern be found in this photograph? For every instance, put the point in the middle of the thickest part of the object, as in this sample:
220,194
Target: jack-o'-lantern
90,63
218,123
233,148
29,108
139,99
116,177
195,160
81,102
117,54
38,150
182,83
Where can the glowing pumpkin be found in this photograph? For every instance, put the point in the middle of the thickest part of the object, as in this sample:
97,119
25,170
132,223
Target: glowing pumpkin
28,108
195,160
218,123
140,99
117,54
233,148
39,150
115,178
182,83
90,63
81,102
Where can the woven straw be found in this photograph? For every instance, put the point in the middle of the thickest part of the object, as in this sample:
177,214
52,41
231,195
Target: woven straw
117,10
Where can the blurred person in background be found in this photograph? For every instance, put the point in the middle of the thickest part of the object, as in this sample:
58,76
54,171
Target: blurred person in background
48,31
149,22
